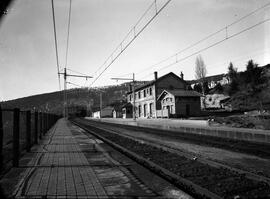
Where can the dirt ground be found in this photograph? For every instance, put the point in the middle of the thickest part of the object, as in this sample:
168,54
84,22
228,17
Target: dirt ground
244,121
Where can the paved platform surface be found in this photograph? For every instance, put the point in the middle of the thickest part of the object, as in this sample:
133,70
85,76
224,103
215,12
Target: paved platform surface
71,164
58,170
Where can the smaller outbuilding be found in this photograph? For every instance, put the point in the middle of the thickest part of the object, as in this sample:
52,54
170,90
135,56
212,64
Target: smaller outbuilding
117,112
105,112
180,103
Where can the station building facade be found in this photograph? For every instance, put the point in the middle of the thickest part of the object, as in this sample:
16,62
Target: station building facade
146,96
180,103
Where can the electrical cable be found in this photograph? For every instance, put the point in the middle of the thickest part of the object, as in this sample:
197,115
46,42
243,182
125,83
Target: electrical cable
212,45
205,38
68,31
135,36
55,44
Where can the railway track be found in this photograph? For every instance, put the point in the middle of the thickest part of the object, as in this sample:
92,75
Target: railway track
252,148
198,177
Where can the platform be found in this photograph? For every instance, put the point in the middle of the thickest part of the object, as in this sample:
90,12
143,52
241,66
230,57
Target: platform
70,163
200,127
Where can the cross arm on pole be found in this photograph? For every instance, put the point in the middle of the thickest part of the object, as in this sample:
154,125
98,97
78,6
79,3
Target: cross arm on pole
85,76
70,75
121,78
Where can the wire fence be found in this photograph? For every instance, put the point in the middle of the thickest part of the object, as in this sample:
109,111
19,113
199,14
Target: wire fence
19,131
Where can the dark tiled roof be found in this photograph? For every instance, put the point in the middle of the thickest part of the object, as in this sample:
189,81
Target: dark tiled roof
184,93
127,105
181,93
154,81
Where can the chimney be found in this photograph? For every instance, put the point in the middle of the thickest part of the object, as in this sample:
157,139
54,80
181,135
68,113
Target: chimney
155,74
182,75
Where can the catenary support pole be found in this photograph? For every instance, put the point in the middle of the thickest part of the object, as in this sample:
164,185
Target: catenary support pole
1,138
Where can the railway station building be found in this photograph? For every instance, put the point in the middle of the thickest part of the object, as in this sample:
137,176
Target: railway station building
146,96
179,103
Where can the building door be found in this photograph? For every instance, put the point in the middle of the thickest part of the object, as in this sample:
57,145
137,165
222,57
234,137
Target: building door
187,110
151,109
144,110
168,108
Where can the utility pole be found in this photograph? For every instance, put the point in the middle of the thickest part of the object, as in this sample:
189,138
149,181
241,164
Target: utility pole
65,93
65,74
133,91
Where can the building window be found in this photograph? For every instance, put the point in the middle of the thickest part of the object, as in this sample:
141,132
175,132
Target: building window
144,93
150,91
130,97
139,95
140,110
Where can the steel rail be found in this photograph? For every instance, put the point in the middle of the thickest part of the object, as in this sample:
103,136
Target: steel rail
189,155
186,185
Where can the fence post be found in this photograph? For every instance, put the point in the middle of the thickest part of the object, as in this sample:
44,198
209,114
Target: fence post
49,120
40,125
16,136
36,127
1,138
43,123
28,131
46,120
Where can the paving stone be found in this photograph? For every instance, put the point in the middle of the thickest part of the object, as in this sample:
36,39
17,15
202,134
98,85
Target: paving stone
64,171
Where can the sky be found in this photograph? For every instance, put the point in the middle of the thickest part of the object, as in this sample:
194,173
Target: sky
27,51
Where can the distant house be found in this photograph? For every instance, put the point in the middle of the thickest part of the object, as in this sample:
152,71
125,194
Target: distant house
96,114
146,103
222,79
214,101
179,103
105,112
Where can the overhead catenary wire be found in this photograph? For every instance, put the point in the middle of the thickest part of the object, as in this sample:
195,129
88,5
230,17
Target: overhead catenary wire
126,36
123,48
73,84
68,31
55,44
212,45
225,28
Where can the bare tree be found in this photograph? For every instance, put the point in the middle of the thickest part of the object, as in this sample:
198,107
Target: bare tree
200,68
200,74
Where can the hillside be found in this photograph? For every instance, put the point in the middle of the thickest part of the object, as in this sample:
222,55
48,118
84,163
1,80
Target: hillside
250,89
53,102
